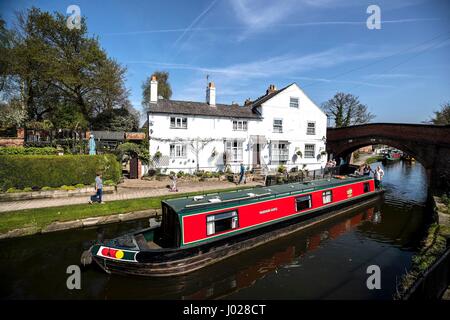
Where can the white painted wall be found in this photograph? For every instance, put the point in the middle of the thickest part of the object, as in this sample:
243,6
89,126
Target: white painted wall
219,129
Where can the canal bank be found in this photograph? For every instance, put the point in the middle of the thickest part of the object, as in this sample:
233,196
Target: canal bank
327,261
429,276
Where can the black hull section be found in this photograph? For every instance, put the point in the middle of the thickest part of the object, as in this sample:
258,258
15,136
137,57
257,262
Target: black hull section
182,261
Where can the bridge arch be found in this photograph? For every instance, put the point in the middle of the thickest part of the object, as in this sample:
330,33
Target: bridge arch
429,144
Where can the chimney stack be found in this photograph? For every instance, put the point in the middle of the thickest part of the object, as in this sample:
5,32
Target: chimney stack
153,90
271,89
211,94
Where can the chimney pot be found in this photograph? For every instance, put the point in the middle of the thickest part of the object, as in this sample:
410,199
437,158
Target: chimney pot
271,89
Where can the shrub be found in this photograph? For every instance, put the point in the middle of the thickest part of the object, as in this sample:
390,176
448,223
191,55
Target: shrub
47,188
199,173
13,190
109,183
27,151
27,189
79,185
21,171
180,174
207,174
281,168
67,188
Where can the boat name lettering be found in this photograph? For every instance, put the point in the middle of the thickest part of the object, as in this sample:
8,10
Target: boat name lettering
268,210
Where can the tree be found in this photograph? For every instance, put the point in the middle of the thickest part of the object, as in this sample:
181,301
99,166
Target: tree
12,114
346,110
122,119
164,88
62,74
442,117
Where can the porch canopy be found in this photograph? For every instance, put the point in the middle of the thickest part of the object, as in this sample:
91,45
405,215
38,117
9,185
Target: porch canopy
257,139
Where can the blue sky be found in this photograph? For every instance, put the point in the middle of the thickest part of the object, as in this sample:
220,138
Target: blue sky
402,71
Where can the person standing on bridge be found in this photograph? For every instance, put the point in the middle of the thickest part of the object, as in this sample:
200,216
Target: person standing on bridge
378,175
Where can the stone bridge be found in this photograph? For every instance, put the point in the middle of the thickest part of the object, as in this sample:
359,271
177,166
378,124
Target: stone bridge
429,144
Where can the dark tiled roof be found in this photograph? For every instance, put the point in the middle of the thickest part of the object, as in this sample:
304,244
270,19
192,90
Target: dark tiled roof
202,109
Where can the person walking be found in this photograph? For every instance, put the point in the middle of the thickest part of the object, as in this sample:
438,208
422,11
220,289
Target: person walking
98,189
242,174
378,175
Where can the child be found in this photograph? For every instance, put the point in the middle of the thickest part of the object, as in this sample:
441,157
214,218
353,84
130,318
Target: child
173,177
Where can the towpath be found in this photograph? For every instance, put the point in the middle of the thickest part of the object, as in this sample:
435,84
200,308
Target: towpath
130,189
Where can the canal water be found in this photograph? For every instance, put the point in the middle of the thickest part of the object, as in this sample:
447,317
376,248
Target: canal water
323,262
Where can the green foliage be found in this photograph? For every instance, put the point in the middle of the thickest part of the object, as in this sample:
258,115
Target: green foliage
62,75
13,190
131,149
79,185
281,169
442,117
109,183
27,189
54,171
67,188
27,151
207,174
180,174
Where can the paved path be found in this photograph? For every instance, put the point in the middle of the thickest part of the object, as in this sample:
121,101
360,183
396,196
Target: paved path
129,190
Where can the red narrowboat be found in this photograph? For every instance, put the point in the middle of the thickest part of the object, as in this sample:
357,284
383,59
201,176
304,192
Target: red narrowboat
200,230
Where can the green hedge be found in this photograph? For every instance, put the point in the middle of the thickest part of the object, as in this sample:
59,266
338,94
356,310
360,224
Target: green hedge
20,171
27,151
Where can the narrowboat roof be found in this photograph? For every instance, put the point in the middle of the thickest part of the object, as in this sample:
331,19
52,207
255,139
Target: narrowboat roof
220,199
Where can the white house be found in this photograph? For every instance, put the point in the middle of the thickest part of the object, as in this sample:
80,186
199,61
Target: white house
281,127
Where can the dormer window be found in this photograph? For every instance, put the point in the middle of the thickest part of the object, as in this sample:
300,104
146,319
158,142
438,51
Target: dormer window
293,103
178,123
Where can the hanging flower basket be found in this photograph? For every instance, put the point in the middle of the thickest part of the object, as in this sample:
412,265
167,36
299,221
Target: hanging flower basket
299,153
157,155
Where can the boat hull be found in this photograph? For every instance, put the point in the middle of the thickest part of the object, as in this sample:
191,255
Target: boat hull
185,260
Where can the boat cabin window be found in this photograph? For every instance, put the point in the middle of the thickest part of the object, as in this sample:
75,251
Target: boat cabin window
327,196
366,187
303,202
224,221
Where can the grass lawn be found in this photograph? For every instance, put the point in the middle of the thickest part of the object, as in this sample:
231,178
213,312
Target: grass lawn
41,217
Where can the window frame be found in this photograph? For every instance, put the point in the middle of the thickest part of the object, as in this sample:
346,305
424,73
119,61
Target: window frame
243,123
234,222
277,128
308,128
294,104
279,154
314,151
181,147
310,204
178,122
327,194
236,152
